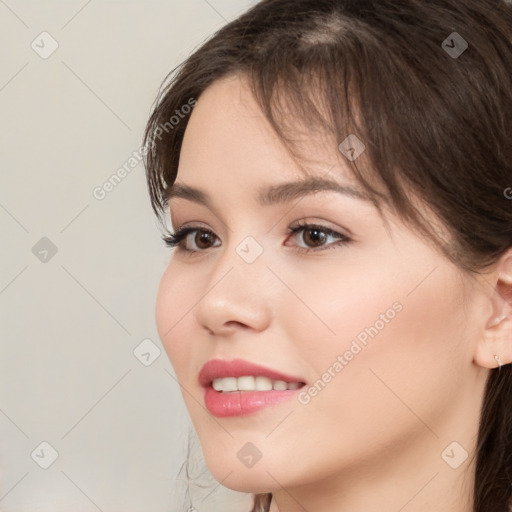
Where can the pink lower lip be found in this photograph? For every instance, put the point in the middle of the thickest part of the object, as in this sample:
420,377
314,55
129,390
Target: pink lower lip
240,403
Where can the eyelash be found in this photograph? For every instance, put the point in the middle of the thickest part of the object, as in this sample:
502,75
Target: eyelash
175,239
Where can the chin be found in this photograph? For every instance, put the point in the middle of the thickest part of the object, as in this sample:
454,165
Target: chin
242,479
248,483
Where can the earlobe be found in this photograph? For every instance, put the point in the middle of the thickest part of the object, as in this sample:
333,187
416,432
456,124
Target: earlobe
495,348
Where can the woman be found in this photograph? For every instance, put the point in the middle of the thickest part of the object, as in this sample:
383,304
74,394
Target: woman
373,376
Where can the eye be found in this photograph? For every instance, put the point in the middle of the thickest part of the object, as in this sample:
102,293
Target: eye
203,236
316,236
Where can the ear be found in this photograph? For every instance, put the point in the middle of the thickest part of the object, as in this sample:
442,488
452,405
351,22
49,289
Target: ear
497,333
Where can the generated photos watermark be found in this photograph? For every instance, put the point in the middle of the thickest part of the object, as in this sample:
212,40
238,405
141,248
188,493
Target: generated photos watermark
305,396
101,191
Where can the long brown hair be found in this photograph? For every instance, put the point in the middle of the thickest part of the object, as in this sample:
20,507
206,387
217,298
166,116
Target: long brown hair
427,87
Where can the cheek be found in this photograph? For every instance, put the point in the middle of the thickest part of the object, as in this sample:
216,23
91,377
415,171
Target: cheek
395,348
175,299
335,307
366,335
395,311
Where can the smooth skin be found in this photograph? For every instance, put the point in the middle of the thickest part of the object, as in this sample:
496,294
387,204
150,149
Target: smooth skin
373,438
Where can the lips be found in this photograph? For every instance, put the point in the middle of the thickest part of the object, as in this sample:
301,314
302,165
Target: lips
242,403
219,368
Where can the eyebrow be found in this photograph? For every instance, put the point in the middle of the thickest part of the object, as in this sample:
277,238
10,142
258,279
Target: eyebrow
273,194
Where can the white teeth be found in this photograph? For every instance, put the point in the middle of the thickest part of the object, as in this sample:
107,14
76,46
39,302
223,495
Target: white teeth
251,383
217,384
280,385
245,383
263,383
229,384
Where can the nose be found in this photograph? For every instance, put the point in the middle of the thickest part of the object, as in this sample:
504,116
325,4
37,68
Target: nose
236,296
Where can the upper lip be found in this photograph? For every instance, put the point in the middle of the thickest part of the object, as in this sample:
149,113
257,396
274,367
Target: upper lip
220,368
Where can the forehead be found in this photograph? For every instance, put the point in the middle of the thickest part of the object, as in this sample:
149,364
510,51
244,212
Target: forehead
229,140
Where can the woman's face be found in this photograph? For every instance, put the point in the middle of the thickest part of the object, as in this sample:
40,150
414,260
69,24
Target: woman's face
379,323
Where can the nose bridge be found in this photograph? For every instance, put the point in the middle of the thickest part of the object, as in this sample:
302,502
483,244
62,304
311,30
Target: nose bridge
236,290
245,255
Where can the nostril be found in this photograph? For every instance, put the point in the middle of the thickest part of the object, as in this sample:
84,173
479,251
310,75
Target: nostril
234,323
228,326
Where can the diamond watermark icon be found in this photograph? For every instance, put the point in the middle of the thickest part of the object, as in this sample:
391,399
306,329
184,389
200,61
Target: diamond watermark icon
44,45
352,147
44,455
146,352
44,250
454,455
249,249
454,45
249,455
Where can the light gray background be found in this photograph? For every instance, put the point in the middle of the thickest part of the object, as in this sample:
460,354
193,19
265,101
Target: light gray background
70,322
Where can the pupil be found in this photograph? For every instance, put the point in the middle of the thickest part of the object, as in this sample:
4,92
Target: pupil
203,237
319,239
